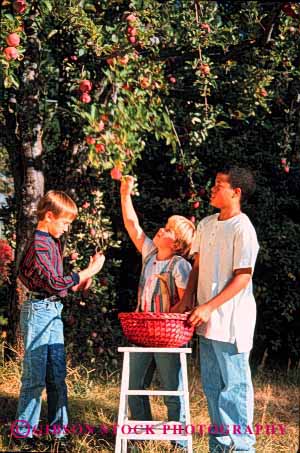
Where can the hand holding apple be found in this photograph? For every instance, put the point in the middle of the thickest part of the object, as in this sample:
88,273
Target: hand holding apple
127,184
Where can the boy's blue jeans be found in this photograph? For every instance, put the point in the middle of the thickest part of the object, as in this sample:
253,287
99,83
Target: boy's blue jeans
44,365
227,384
142,366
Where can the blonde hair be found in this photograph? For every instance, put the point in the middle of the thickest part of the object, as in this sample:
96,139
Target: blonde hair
59,203
184,231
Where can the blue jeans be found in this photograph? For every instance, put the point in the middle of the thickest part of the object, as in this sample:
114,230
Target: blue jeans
44,365
142,366
226,381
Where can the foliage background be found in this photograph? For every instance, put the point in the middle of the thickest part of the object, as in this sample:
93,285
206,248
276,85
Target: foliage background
202,84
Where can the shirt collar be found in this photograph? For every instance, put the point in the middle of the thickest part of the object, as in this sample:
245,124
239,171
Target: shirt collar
42,233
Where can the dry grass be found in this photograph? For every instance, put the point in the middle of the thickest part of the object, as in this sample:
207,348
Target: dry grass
94,400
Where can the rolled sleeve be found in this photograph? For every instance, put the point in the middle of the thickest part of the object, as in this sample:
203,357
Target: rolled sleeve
245,249
148,247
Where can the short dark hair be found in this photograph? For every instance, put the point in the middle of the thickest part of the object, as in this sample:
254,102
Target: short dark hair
242,178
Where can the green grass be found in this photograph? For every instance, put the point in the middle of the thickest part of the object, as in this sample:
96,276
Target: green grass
94,400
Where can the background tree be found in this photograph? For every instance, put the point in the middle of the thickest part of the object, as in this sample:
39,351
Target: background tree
169,91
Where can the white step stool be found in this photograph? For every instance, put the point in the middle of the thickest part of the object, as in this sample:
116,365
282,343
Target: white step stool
158,427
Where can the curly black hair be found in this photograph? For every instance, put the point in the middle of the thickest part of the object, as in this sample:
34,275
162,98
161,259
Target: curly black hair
240,178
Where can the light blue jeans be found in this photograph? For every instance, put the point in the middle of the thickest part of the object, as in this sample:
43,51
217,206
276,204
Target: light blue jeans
44,365
227,384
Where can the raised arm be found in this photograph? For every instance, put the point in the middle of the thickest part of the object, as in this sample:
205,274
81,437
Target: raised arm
130,218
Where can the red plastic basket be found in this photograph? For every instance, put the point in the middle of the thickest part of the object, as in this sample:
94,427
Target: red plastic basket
161,330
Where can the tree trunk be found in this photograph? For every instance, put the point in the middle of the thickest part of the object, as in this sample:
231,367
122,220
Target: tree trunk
26,160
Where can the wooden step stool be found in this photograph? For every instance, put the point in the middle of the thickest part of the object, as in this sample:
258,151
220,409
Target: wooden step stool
159,427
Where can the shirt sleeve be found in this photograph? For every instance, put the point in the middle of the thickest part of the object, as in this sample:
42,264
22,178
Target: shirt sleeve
56,283
195,247
148,247
245,248
181,273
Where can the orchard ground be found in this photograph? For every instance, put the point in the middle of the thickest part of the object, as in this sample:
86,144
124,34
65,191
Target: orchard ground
94,400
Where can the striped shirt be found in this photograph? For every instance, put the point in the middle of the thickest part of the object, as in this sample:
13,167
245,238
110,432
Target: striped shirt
41,268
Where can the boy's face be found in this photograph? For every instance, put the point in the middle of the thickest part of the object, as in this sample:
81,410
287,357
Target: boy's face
57,225
222,194
165,238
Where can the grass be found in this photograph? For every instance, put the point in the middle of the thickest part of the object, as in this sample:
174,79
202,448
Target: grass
94,400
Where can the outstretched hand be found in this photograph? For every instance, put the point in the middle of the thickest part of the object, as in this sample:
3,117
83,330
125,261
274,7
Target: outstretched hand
127,183
96,262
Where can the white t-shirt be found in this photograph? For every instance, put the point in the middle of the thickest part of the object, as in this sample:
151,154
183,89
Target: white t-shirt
180,273
224,246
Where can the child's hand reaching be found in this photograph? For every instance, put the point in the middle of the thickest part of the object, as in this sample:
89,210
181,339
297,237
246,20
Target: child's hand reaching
127,184
95,265
96,262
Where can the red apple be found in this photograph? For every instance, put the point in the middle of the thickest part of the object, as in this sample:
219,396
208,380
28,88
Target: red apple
205,27
13,40
131,18
263,92
90,140
172,79
126,87
116,173
288,10
196,204
104,118
132,31
286,169
123,60
74,58
19,6
85,86
110,61
86,98
100,148
193,219
283,161
132,39
11,53
144,82
205,69
86,205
